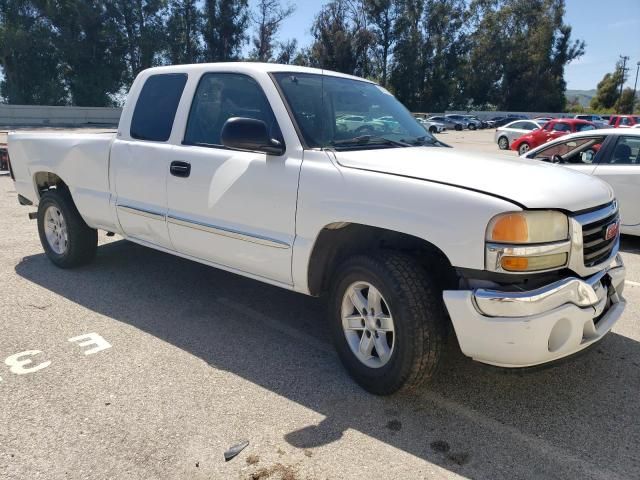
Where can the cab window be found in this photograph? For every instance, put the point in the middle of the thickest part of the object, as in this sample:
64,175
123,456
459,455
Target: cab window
221,96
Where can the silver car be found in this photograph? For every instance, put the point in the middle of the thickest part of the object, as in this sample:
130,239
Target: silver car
431,127
597,120
508,133
447,122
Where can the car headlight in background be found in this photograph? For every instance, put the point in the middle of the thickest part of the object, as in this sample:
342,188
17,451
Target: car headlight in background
528,241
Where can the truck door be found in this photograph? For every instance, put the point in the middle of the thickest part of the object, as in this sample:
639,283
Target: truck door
232,208
140,159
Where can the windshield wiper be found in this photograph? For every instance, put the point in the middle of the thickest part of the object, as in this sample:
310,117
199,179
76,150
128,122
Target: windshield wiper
368,140
425,140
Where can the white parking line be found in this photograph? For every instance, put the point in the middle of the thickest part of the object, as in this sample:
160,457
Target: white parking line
633,284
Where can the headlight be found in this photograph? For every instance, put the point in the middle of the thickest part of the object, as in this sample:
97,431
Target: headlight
529,241
528,227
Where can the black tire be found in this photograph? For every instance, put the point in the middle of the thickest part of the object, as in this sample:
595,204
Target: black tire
503,143
472,126
458,127
419,318
82,240
523,148
433,130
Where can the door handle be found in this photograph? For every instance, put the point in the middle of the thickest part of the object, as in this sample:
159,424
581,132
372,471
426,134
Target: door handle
180,169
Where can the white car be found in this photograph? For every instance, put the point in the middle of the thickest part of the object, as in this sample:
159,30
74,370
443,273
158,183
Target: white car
242,166
610,154
508,133
432,126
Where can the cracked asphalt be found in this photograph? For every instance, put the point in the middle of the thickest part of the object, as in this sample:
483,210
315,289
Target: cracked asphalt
199,360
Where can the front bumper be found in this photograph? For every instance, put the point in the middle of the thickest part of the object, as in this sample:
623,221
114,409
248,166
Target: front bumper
526,328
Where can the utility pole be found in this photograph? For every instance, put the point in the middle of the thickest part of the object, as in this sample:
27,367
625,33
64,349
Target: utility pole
624,72
634,87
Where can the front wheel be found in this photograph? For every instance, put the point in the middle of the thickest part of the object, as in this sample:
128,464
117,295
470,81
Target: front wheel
433,130
503,143
523,148
67,240
388,322
472,126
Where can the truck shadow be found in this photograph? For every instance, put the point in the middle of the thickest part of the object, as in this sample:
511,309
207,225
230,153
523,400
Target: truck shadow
576,420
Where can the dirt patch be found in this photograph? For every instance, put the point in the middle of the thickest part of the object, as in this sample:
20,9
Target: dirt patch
440,446
253,459
394,425
275,472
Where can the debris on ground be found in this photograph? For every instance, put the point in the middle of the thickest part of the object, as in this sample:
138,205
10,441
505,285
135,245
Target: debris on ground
275,472
235,450
253,459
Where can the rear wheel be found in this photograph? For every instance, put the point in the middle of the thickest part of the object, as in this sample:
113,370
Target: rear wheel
458,127
433,129
503,143
67,240
472,126
388,322
523,148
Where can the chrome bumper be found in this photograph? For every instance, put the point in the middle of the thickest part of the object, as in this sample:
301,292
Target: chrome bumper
590,292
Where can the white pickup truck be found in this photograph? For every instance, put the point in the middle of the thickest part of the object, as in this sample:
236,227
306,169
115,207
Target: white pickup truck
250,168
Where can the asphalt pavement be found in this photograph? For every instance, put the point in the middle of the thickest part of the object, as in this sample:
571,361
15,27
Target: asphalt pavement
147,366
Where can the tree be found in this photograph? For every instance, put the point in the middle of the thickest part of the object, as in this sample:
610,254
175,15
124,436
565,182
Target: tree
332,47
30,62
183,32
143,33
625,104
268,16
224,29
382,15
287,52
607,93
91,50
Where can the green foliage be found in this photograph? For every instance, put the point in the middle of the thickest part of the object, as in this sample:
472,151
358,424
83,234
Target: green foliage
608,89
224,28
626,102
32,71
267,18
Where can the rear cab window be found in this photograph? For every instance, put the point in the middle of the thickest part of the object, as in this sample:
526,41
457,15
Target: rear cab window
156,107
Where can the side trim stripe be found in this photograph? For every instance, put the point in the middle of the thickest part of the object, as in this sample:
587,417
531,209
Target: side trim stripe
225,232
141,212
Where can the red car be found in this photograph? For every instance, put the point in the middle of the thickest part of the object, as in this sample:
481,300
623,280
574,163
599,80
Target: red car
552,129
623,121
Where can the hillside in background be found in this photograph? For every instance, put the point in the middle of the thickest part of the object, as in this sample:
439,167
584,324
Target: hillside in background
583,96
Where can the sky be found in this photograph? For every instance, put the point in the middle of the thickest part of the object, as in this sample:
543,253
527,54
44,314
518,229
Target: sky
609,27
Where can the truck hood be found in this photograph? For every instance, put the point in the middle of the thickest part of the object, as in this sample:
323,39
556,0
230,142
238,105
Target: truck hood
529,183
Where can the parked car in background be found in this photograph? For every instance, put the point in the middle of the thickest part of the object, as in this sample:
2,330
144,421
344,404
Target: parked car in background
476,121
543,120
551,130
610,154
513,130
464,121
597,120
447,122
500,121
623,121
431,127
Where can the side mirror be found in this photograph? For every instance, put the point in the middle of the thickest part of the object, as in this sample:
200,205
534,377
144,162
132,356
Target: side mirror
249,134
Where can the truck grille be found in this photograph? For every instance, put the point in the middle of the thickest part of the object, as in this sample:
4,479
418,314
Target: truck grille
596,247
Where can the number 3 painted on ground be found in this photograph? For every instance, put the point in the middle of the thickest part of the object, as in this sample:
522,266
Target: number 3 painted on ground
17,362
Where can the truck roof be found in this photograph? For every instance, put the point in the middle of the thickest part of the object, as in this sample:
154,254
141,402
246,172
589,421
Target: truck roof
245,67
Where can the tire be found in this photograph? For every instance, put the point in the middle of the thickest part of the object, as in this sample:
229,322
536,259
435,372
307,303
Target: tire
433,130
503,143
419,322
523,148
472,126
458,127
77,242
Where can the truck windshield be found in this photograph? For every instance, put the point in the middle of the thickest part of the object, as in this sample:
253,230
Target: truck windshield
342,113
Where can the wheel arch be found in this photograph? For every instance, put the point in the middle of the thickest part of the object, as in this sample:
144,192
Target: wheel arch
337,241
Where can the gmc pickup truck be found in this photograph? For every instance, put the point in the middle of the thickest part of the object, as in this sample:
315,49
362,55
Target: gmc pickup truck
248,167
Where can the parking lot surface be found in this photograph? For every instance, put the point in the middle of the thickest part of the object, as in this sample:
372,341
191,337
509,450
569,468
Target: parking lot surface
148,366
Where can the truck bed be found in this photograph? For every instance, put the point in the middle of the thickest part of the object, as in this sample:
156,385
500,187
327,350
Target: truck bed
79,158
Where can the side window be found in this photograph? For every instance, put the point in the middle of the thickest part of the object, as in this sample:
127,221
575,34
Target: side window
561,127
156,107
625,121
221,96
530,125
547,127
626,152
577,150
518,125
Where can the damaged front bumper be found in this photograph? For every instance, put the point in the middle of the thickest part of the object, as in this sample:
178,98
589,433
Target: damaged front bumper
526,328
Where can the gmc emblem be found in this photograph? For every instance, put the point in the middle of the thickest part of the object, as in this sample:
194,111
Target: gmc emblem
612,230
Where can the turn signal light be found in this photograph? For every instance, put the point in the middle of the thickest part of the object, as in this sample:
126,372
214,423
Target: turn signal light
532,264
